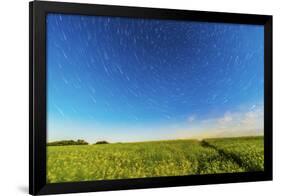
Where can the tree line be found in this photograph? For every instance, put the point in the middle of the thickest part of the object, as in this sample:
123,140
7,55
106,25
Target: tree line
73,142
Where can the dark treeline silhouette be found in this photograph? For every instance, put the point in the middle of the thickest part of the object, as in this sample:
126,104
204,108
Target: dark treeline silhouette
102,142
67,142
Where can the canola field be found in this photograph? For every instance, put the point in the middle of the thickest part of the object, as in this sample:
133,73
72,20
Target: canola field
154,159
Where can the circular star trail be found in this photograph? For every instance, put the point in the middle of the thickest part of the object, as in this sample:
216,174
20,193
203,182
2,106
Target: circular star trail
143,72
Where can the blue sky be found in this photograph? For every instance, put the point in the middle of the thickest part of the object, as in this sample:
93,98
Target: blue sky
124,79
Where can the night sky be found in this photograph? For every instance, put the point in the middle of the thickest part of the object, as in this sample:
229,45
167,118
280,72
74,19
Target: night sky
124,79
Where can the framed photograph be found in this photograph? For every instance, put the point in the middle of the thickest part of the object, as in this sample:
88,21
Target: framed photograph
130,97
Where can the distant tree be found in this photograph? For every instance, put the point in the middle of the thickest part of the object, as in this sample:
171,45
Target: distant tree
102,142
67,142
82,142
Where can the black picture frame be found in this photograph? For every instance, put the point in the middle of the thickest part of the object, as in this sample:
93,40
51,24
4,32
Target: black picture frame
37,94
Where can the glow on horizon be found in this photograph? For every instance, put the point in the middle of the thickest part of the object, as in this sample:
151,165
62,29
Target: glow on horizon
248,122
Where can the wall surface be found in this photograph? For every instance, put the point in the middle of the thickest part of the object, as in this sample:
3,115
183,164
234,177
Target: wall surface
14,96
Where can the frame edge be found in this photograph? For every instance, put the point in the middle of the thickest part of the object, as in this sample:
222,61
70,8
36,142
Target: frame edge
268,98
31,163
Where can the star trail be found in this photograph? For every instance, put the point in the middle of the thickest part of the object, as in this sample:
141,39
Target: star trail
125,79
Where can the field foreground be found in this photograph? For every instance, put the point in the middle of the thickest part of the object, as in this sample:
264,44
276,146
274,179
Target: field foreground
152,159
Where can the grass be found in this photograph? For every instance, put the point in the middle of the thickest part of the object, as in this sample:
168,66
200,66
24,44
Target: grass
248,152
152,159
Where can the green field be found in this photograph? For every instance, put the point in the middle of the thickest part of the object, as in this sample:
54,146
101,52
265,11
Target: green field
151,159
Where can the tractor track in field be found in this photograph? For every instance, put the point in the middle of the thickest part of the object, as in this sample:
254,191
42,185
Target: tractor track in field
229,156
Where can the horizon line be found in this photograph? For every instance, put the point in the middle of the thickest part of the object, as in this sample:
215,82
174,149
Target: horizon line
188,138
